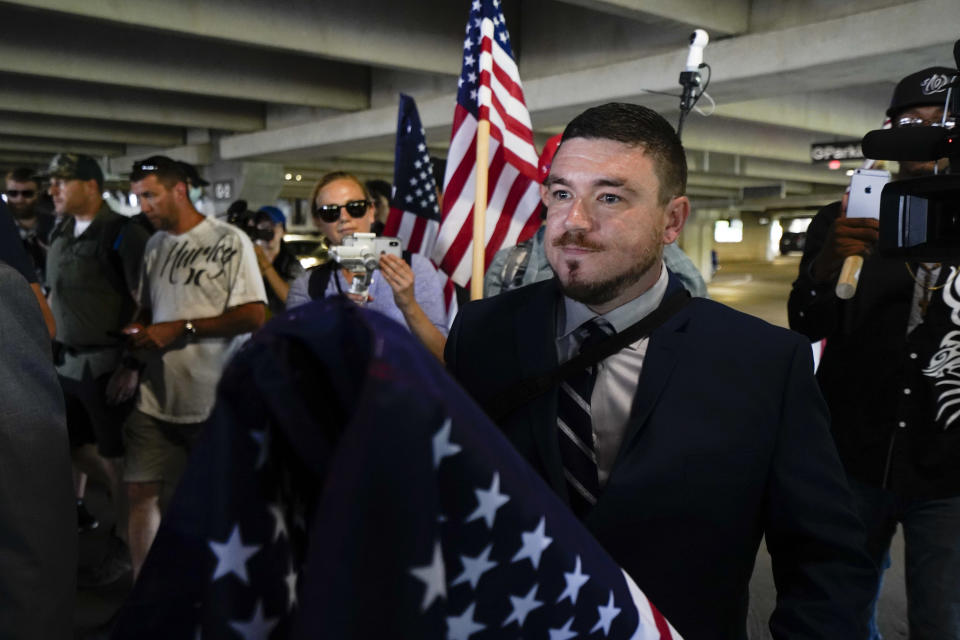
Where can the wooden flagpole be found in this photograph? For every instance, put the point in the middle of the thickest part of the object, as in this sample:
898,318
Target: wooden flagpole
480,209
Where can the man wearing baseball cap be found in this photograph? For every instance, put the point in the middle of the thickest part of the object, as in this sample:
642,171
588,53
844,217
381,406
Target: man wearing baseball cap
93,268
888,373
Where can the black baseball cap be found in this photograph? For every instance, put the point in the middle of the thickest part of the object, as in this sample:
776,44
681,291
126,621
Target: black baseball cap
192,175
923,88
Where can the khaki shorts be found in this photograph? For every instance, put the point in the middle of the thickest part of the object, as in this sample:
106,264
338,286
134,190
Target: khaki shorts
156,450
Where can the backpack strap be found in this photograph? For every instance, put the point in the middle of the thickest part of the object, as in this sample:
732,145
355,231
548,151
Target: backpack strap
108,253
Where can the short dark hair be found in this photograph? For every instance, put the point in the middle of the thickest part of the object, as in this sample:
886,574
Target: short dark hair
379,188
23,174
168,171
637,126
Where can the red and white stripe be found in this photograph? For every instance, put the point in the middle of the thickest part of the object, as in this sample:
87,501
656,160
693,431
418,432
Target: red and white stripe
513,192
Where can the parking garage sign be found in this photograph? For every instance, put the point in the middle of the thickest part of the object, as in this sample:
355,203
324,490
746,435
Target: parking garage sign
223,190
838,150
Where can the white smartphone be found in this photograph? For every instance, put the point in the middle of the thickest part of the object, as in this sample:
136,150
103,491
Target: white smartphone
865,189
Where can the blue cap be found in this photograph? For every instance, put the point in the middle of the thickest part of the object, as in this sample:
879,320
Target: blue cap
275,214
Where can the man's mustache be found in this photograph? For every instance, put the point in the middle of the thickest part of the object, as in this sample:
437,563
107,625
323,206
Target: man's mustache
576,239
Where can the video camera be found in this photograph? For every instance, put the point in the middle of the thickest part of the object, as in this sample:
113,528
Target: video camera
256,224
360,254
920,217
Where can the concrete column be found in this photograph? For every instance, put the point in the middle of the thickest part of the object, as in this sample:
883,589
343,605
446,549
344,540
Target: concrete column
697,241
258,183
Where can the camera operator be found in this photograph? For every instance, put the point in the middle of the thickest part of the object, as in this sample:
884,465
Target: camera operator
408,293
889,352
278,266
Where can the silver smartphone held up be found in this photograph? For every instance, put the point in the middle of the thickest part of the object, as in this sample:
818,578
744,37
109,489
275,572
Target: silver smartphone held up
865,189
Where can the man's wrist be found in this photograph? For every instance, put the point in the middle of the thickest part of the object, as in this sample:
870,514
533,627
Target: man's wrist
189,329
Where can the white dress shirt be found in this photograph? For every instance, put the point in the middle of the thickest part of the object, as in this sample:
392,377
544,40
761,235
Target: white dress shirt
617,375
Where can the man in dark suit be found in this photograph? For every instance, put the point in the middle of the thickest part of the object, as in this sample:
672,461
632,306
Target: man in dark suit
680,450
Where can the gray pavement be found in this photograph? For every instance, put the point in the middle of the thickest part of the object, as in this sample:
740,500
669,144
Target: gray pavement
761,289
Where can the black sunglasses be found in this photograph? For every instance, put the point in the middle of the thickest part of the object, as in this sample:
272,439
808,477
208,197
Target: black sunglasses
25,193
331,212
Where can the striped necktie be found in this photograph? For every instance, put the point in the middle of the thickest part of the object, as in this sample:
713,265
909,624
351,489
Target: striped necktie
575,425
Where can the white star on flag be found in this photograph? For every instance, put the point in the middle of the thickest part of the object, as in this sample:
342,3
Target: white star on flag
291,581
421,147
488,502
473,568
232,556
433,577
523,606
279,522
476,5
442,447
534,542
467,43
607,614
574,580
413,182
563,633
463,626
257,627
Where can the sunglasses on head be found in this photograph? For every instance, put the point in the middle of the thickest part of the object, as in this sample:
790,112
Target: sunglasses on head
331,212
23,193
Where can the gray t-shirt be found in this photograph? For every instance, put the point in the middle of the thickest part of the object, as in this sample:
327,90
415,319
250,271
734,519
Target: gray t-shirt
198,274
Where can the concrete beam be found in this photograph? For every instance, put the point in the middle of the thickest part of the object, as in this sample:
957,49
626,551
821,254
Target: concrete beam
716,17
842,112
52,146
424,36
866,49
19,124
29,94
59,47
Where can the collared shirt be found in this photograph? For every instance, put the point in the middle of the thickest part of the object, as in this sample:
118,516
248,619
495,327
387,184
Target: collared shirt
617,375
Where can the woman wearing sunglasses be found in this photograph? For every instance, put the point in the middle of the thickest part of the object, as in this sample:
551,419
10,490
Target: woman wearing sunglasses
411,293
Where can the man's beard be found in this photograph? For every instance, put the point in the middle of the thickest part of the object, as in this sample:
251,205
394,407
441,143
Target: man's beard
602,292
21,211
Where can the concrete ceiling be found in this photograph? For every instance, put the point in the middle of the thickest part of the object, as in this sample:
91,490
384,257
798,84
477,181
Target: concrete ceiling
312,85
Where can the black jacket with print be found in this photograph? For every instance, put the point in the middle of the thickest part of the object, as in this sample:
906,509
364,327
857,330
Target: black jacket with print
894,398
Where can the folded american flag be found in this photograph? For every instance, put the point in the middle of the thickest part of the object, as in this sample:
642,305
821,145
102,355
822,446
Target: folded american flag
346,487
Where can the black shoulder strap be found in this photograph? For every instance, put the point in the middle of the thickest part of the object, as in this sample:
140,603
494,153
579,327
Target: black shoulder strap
319,278
522,393
109,253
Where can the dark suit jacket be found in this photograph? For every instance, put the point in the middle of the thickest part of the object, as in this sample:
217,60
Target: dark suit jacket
38,517
728,440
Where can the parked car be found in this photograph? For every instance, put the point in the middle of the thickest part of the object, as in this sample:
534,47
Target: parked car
310,247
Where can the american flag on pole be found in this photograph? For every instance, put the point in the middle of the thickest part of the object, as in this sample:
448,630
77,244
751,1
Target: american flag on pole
513,192
346,487
414,208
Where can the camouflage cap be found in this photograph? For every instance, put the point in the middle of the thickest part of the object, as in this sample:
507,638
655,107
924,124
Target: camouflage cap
74,166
